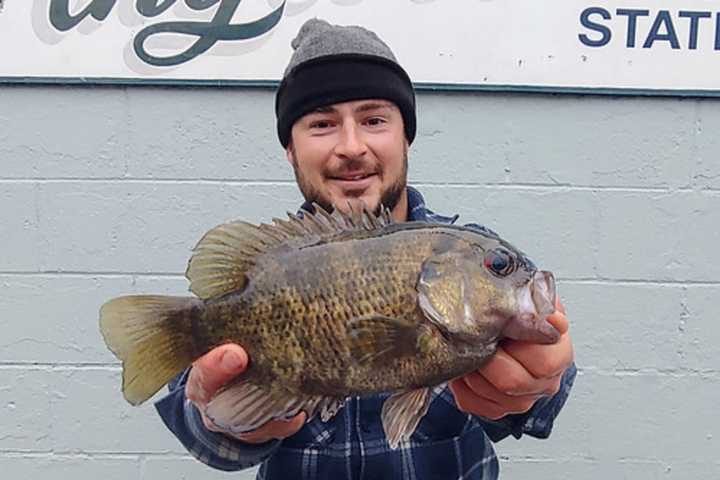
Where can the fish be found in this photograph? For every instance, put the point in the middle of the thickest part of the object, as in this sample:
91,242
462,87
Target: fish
330,305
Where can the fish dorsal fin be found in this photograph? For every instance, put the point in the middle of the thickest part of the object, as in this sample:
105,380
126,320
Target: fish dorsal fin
223,256
357,218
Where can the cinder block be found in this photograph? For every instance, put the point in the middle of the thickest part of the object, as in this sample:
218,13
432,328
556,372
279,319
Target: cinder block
553,227
64,467
187,468
204,134
92,416
642,417
706,172
54,132
624,469
19,228
624,327
699,329
54,319
144,227
549,139
26,417
458,140
661,236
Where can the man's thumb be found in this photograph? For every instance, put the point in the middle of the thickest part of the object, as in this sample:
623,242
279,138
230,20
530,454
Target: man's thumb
233,360
558,318
221,365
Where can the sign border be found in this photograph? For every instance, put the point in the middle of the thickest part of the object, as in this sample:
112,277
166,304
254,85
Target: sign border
419,86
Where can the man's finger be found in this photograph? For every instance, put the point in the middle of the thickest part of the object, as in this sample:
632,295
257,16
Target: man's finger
542,361
481,387
508,375
468,402
558,320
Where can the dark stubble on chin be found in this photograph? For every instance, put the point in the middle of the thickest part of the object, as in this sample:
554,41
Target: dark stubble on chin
389,197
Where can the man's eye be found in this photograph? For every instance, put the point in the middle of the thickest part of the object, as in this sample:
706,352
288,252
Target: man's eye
375,121
320,124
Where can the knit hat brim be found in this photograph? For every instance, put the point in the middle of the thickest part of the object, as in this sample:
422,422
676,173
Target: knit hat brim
341,78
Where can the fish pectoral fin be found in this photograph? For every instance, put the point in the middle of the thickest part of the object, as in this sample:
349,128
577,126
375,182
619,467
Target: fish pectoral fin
402,412
375,338
243,406
446,293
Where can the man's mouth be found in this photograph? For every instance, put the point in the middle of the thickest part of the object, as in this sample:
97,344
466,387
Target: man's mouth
354,181
352,177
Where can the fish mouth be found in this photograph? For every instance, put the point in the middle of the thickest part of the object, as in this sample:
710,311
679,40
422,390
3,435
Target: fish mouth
536,301
544,292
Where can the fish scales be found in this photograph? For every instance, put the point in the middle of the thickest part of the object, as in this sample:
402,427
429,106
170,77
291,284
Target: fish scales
293,315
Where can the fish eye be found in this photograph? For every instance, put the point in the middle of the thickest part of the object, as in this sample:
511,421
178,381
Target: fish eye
500,262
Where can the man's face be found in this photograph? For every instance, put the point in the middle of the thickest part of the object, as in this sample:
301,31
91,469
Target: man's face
351,152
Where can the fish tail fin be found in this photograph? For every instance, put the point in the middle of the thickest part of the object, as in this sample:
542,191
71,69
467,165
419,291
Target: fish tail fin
152,335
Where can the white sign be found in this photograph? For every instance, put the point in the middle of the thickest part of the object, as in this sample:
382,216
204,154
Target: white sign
665,45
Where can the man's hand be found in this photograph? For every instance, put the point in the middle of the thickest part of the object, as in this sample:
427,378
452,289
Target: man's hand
517,375
218,367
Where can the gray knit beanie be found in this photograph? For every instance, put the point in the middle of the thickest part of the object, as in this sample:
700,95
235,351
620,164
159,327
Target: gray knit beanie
332,64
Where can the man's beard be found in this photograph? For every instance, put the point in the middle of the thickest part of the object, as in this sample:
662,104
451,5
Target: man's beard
389,197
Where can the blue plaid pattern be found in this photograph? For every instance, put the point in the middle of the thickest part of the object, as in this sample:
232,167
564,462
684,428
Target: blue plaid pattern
448,444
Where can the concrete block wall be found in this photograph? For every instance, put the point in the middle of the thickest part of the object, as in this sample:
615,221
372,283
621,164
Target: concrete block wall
104,191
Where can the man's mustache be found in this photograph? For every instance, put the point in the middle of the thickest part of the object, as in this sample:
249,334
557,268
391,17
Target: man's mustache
353,166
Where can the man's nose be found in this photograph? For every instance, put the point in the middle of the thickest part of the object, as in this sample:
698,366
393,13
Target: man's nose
350,144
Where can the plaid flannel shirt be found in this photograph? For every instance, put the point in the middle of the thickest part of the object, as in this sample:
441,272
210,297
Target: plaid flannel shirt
448,444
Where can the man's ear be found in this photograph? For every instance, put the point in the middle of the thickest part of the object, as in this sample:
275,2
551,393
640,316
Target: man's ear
290,152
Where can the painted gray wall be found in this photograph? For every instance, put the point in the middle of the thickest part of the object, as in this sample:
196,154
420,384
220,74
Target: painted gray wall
103,192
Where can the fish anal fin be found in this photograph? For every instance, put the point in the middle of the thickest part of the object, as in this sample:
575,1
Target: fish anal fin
402,412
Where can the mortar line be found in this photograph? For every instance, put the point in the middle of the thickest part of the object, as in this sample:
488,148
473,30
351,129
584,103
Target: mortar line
647,372
86,273
73,454
421,184
61,366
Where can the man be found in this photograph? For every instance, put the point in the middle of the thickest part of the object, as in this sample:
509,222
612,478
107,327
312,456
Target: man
346,117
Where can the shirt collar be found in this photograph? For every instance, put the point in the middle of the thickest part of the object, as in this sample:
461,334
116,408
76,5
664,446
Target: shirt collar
417,209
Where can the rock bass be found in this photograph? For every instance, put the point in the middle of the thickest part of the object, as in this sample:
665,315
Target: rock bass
330,306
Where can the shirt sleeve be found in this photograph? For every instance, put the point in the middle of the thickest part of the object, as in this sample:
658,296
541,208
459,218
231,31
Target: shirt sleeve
219,451
536,422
